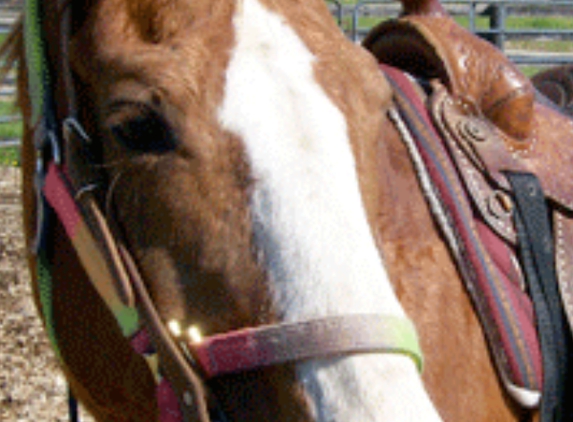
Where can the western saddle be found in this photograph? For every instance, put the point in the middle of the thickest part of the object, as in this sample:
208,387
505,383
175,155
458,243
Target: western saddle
492,116
522,131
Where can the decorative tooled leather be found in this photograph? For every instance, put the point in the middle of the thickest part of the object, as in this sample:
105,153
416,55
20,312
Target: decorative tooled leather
486,88
563,232
492,122
480,155
422,6
549,156
480,142
434,45
462,132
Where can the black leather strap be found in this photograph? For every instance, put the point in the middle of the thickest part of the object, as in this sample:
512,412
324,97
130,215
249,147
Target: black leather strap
536,250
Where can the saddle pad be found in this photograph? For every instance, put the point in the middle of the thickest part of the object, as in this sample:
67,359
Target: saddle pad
482,158
485,260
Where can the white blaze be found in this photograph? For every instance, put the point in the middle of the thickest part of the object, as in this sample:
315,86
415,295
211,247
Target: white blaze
310,224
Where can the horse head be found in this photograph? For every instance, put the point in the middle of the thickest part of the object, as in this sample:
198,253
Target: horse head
243,175
233,147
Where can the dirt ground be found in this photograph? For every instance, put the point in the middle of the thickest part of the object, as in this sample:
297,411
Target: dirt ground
31,387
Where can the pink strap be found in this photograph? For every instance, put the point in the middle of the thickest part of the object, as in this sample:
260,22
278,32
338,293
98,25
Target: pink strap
169,410
329,337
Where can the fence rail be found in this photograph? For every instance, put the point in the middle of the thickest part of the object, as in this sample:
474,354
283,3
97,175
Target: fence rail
495,14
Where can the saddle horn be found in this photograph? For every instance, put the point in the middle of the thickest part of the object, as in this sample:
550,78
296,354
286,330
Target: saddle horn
423,7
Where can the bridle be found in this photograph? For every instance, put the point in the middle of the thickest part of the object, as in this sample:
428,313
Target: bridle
64,193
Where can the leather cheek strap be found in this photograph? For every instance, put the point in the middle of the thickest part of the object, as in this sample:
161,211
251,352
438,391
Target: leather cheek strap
189,388
114,275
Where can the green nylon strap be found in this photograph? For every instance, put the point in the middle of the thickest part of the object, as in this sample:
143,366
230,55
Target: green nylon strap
277,344
38,79
39,89
38,76
407,336
128,320
45,290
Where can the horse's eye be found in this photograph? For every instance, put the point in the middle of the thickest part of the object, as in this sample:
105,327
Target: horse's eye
141,129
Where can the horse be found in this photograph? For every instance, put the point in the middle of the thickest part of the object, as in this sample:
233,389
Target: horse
244,155
557,84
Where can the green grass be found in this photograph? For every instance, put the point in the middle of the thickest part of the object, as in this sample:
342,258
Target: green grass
541,22
523,22
10,130
481,22
531,70
9,156
556,46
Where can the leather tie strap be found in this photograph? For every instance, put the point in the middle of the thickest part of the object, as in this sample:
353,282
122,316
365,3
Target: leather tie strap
192,395
537,257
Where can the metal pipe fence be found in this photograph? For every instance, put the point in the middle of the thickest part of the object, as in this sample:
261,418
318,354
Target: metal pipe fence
9,12
487,18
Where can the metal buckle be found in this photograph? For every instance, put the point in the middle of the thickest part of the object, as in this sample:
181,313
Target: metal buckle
47,150
70,127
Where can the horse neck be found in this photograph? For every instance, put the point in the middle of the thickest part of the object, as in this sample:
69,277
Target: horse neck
311,226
